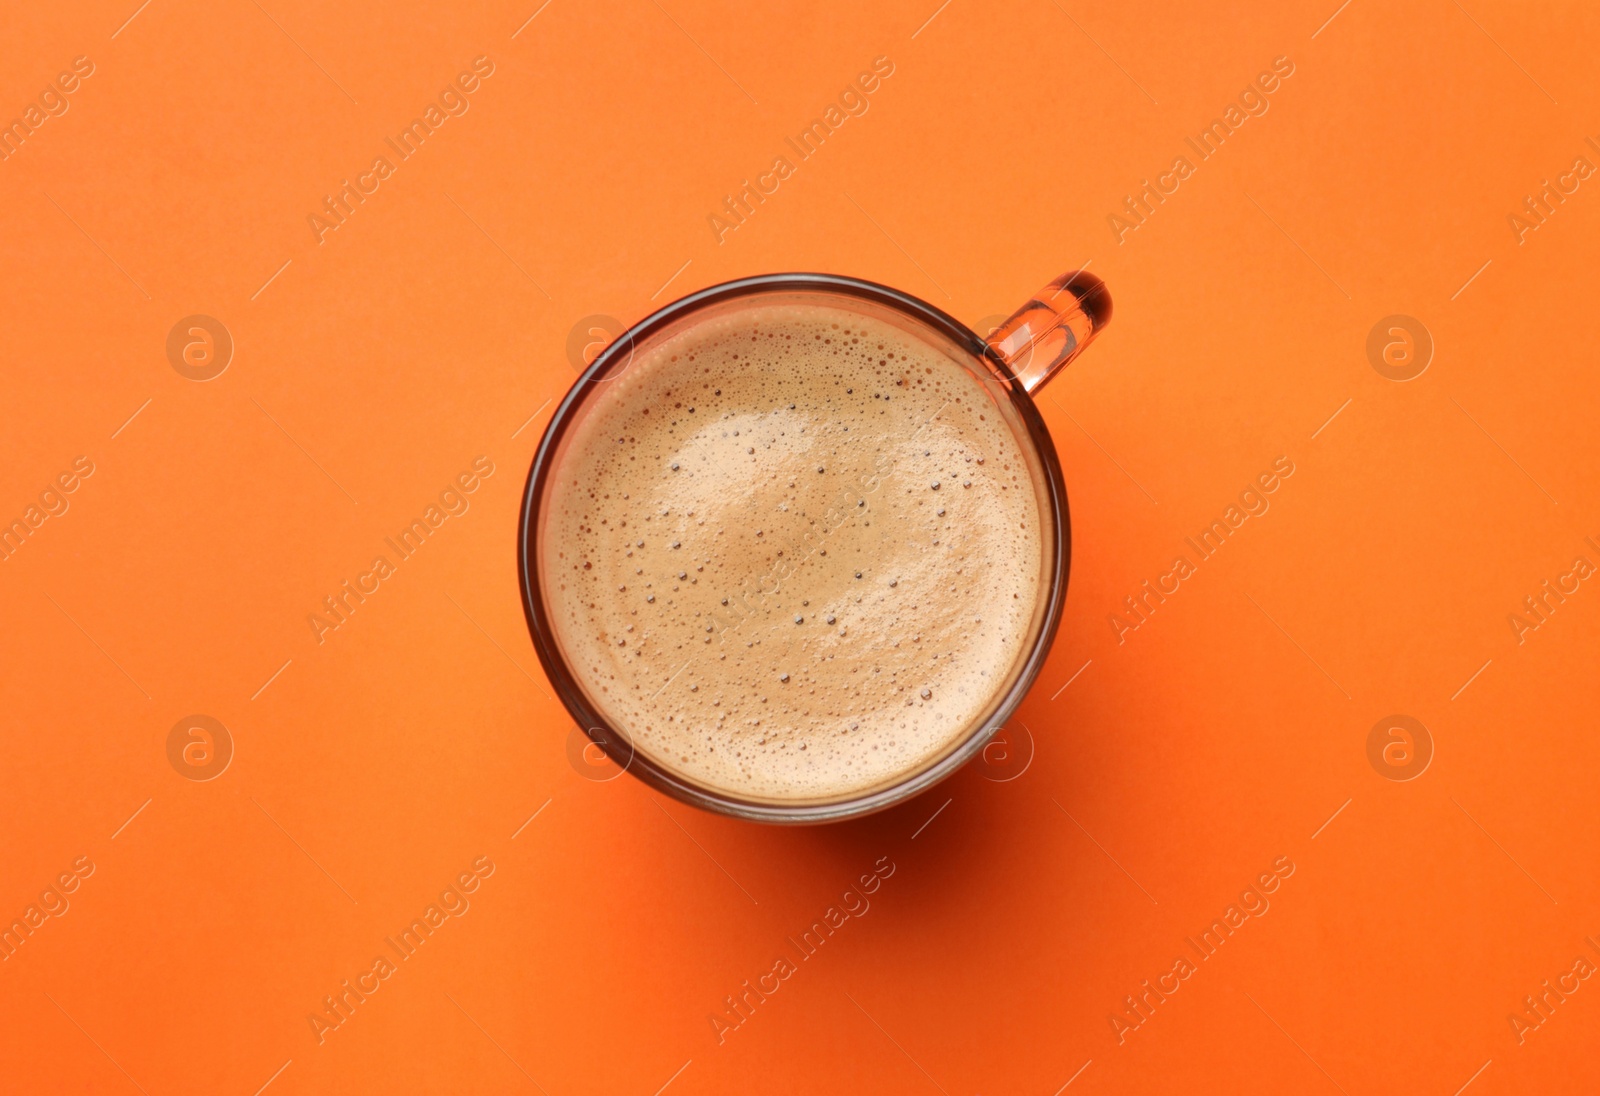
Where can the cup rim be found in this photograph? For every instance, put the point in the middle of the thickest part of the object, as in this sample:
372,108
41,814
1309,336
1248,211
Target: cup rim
565,683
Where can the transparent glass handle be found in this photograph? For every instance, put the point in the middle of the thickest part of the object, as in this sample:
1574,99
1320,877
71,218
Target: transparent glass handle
1054,326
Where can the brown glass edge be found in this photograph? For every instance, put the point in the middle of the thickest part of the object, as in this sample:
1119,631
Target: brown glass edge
567,687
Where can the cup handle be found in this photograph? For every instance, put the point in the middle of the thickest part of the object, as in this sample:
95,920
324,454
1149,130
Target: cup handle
1050,330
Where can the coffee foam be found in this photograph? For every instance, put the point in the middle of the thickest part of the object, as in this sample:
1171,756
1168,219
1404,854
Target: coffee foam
793,552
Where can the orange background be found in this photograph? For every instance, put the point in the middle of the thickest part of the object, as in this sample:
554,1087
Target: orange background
372,768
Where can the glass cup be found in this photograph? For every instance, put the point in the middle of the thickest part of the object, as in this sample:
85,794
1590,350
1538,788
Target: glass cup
1019,357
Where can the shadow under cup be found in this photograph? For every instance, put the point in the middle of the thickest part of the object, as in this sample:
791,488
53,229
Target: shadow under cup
997,374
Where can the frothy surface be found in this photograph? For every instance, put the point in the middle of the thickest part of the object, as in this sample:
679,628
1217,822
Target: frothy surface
793,552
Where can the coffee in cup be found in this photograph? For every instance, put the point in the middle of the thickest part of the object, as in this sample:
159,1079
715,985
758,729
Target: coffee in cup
794,547
799,550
